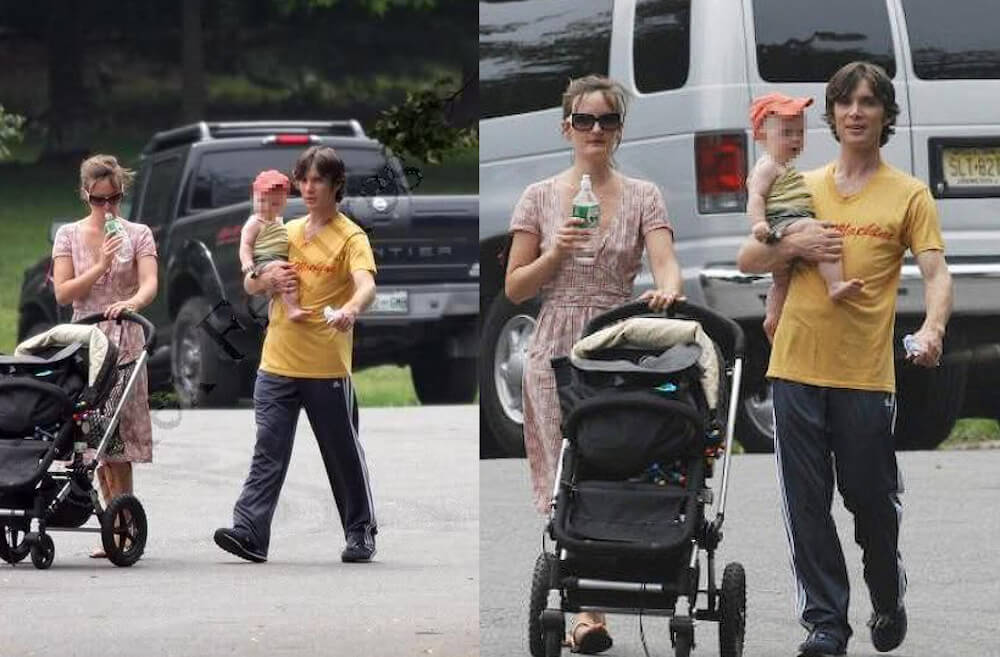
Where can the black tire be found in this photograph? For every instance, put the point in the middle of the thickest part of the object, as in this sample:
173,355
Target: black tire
755,419
13,546
540,578
43,552
440,379
124,530
553,644
683,642
928,403
732,611
503,338
204,375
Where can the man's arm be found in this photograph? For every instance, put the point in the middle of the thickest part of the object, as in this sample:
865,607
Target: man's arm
277,278
813,241
364,294
937,302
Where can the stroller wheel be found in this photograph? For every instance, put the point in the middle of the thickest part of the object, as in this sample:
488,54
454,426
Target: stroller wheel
13,544
540,641
43,552
123,530
732,611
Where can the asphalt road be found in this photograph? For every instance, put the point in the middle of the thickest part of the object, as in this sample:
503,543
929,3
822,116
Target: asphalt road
950,542
188,598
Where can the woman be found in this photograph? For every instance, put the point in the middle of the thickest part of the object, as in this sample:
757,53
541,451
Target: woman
87,273
541,260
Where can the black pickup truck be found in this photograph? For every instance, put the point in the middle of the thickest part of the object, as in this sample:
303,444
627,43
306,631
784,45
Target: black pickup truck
193,191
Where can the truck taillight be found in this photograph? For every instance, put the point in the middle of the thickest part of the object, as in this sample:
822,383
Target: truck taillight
721,166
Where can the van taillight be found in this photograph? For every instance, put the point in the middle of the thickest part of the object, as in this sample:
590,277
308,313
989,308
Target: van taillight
721,165
292,139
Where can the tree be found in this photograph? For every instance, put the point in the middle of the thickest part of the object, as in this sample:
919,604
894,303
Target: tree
192,56
10,131
69,98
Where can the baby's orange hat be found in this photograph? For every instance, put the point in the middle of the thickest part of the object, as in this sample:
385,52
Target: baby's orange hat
270,179
777,104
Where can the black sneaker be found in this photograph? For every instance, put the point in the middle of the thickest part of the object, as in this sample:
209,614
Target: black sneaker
821,643
360,548
888,630
236,542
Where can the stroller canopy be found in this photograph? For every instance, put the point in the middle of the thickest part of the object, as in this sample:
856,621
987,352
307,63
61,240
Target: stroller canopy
680,342
66,335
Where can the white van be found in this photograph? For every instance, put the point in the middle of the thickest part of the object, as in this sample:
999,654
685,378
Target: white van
692,67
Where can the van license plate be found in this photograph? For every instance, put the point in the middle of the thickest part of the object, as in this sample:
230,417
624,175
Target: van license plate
396,302
971,167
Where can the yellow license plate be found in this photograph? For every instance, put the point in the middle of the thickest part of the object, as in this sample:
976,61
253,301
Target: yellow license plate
971,167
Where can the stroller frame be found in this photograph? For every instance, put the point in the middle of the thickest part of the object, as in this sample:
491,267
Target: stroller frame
554,594
33,520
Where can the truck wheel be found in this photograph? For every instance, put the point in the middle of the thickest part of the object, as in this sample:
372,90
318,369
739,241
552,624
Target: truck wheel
503,347
440,379
755,420
204,376
928,402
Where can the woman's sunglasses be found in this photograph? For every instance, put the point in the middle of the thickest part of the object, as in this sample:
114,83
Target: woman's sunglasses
101,200
585,122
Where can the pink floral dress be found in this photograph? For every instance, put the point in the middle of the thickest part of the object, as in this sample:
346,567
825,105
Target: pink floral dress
576,294
118,284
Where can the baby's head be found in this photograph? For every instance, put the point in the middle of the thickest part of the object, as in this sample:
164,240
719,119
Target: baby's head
779,124
270,192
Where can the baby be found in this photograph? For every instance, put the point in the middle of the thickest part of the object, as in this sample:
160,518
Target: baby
778,197
264,238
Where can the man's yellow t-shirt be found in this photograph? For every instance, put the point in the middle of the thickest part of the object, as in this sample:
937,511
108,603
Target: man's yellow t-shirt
848,343
311,349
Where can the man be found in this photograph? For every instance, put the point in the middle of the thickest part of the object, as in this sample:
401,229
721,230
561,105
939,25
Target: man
308,364
832,362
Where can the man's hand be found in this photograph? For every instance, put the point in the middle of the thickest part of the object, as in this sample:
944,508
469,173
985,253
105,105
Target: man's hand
343,319
930,348
280,278
813,241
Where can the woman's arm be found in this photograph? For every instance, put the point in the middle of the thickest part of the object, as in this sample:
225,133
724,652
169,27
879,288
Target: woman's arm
69,287
144,295
666,270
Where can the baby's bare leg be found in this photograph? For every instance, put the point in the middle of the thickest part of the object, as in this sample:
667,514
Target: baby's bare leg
776,301
291,301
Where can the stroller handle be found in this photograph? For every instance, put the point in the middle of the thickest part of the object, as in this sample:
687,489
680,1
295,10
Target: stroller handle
722,330
149,331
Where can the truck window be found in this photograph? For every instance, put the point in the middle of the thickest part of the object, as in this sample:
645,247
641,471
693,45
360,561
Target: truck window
959,42
661,44
529,49
159,194
225,177
808,40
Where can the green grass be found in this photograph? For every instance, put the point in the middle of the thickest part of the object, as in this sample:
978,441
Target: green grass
972,431
387,385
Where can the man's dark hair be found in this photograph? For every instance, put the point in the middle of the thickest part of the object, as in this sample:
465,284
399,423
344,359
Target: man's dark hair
842,85
328,164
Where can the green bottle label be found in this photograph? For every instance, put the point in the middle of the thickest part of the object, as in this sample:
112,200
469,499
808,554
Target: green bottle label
591,214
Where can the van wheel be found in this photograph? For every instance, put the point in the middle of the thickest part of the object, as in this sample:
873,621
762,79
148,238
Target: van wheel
204,376
755,420
928,402
504,340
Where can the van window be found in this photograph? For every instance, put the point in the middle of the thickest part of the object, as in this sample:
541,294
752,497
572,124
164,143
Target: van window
158,198
528,50
959,43
808,40
661,45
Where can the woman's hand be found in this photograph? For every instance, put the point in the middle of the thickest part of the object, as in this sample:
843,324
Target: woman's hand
659,300
106,256
571,237
116,309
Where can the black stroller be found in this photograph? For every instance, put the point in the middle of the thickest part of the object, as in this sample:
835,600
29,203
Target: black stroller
61,395
644,420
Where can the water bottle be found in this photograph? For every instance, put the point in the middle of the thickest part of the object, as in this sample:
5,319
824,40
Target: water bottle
113,226
587,208
912,345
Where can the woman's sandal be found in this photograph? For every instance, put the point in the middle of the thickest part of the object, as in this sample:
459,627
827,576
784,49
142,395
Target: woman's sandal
594,638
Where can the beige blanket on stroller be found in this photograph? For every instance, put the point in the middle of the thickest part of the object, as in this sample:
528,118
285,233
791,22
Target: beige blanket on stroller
66,334
658,333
